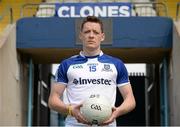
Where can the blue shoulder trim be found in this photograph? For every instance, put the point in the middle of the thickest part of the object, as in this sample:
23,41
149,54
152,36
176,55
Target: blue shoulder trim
122,76
61,75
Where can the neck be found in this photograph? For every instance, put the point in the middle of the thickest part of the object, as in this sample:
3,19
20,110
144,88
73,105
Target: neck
91,53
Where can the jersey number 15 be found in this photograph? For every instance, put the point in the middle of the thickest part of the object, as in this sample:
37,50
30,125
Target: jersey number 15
92,68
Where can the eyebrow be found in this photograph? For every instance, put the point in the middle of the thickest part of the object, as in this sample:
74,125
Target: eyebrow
86,31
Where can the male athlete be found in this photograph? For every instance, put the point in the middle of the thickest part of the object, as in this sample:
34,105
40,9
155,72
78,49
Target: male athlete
91,72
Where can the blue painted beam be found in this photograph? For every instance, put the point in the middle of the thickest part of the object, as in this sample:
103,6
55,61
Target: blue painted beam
129,32
142,32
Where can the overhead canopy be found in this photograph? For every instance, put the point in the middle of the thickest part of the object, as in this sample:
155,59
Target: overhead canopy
133,39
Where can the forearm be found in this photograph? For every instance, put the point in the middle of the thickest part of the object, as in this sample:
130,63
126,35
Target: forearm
58,105
127,106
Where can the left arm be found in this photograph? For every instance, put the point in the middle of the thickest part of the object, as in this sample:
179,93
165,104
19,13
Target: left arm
127,105
129,100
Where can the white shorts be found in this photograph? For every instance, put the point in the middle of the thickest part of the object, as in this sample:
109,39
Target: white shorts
71,122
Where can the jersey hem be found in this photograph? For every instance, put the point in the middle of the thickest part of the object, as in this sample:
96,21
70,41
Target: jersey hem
61,83
123,84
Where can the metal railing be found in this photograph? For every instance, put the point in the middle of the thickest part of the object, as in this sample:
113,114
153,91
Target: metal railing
27,8
7,12
150,8
140,9
30,9
177,11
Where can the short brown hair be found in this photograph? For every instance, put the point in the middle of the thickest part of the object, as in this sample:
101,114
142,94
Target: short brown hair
92,19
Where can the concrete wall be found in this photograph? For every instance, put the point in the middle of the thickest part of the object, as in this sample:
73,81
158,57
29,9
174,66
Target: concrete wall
174,88
13,93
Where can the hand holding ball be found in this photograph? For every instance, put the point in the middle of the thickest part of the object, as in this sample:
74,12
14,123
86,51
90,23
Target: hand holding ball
96,109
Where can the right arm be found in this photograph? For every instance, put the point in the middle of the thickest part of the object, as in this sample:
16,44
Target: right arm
58,105
54,101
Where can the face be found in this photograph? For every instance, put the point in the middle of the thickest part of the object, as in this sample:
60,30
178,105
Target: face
91,36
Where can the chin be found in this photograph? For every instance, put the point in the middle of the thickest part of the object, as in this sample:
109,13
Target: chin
92,48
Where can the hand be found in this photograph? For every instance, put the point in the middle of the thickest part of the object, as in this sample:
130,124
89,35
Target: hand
112,117
77,114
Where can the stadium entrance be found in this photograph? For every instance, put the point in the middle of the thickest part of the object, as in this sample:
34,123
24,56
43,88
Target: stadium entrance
50,40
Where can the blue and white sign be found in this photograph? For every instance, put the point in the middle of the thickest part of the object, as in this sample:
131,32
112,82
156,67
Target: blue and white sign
76,10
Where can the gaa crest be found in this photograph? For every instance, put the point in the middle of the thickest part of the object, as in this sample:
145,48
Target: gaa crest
107,68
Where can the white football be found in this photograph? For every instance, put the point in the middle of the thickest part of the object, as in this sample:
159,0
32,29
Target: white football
96,109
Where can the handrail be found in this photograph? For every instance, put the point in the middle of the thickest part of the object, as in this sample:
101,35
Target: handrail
134,5
146,4
31,5
177,11
5,13
24,6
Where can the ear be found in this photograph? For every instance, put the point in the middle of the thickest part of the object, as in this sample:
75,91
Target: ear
80,35
102,37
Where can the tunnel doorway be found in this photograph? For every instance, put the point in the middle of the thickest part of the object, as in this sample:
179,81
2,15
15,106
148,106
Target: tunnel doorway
145,88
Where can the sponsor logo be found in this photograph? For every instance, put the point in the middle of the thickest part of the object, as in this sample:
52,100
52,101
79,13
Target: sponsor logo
75,81
92,64
100,81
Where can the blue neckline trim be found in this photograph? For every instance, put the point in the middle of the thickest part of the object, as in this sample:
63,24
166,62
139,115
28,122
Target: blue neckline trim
90,57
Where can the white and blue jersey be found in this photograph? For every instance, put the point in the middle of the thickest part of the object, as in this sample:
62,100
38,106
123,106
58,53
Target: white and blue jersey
84,76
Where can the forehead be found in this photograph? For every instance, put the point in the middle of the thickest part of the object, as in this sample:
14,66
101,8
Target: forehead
92,25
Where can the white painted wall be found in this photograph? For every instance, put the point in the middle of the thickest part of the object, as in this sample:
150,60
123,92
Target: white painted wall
174,88
11,93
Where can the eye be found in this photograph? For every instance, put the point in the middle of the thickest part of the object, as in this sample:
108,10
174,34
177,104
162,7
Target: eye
87,31
95,32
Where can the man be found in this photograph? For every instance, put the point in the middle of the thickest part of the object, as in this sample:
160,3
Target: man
88,73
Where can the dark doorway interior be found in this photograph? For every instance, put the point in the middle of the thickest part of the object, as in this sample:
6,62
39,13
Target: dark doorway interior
41,93
137,116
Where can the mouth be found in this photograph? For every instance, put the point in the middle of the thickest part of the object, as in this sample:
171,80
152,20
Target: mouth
91,41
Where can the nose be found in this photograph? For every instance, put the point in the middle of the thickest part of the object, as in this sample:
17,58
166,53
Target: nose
91,34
